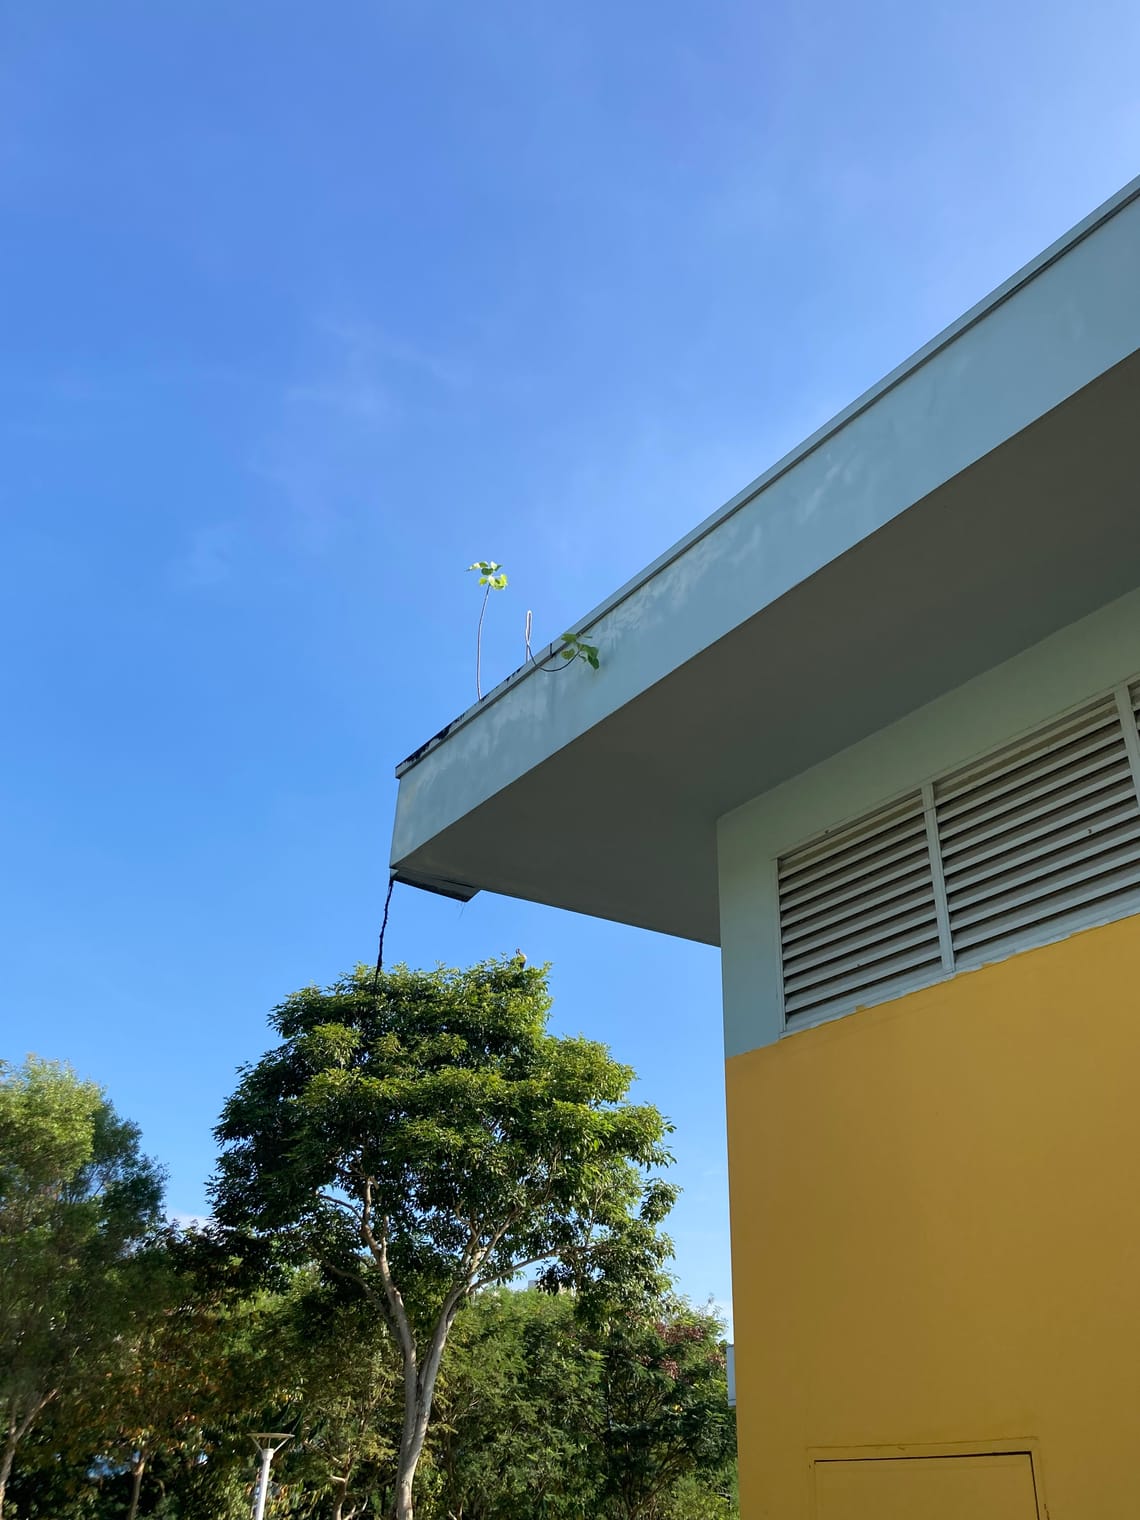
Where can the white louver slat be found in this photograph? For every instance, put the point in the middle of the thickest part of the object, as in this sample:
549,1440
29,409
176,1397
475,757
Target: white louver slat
1041,837
858,921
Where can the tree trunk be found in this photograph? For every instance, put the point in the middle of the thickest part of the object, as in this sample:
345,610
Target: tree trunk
419,1390
6,1460
17,1430
419,1381
408,1456
136,1486
404,1480
339,1510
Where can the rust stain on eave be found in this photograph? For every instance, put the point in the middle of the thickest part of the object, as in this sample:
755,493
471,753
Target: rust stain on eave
418,754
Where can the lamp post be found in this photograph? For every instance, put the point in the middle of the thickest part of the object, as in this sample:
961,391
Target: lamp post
268,1443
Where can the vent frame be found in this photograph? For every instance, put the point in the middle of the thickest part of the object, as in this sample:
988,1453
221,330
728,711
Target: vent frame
1013,838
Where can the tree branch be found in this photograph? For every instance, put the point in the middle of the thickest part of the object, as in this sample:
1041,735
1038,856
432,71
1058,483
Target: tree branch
341,1203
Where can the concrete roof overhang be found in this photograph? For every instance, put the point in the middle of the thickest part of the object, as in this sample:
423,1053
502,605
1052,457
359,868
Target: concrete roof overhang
983,495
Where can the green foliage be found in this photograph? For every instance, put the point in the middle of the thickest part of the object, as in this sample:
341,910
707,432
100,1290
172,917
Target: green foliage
387,1168
344,1402
666,1406
77,1199
421,1135
433,1110
491,574
535,1419
576,648
154,1412
545,1413
702,1496
492,577
514,1439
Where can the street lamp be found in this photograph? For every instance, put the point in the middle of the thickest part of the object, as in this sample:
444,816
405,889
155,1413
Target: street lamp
268,1443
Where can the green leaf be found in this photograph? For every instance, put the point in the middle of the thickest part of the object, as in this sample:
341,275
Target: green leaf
79,1205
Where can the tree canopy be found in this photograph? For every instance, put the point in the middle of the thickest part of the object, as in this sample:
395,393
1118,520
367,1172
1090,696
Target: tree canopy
421,1134
77,1199
549,1414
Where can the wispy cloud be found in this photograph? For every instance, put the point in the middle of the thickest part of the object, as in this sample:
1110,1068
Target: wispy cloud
371,343
362,400
209,558
325,454
318,450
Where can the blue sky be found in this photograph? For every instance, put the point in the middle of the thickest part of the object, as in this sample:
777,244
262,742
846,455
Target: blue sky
306,307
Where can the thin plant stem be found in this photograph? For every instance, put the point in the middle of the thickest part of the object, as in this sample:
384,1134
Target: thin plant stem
479,647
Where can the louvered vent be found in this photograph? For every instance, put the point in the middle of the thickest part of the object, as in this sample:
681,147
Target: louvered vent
858,922
1041,837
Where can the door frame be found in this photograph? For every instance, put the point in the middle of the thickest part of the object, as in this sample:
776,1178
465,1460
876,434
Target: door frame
1027,1446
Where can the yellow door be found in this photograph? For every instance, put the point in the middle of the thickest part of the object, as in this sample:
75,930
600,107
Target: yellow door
997,1487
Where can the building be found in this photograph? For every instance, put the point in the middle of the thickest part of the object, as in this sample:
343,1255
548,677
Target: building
873,729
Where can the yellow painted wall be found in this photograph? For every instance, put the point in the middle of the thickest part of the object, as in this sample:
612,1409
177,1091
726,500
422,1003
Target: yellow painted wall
936,1229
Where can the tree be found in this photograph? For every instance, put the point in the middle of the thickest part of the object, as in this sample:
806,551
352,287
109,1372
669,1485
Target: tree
186,1363
664,1414
77,1198
163,1426
519,1401
550,1413
421,1135
344,1408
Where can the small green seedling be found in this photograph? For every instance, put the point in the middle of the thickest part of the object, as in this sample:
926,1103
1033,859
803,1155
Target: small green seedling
492,577
491,574
575,648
